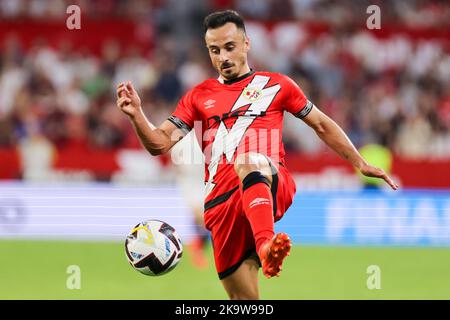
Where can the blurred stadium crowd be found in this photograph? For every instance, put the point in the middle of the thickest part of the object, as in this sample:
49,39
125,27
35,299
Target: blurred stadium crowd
392,89
411,12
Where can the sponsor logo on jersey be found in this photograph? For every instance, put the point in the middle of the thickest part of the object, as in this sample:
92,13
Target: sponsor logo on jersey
259,201
252,94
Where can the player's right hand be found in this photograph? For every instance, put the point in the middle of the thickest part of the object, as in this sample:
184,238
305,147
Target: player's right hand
128,100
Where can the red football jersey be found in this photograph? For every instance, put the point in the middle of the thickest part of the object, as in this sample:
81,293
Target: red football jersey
238,117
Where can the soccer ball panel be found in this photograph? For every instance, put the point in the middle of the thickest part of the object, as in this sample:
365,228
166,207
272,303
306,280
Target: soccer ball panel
153,247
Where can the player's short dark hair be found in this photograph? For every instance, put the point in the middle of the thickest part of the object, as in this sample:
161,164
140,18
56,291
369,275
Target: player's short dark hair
219,18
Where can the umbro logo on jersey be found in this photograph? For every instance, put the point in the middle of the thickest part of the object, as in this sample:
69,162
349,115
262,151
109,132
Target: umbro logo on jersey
252,94
258,201
209,104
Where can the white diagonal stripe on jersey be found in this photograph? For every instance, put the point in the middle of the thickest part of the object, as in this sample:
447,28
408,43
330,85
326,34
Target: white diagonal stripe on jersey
258,82
226,142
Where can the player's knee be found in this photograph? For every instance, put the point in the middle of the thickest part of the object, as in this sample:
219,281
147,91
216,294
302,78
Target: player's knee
253,167
246,163
241,164
242,170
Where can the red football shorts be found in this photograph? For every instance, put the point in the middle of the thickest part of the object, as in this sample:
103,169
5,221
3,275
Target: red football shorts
231,233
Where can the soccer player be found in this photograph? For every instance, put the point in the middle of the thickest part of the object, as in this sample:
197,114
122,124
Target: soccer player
247,185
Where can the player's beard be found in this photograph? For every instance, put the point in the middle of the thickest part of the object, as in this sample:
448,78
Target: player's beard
238,66
229,73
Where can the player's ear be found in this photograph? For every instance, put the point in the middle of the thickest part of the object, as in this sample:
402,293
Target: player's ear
246,43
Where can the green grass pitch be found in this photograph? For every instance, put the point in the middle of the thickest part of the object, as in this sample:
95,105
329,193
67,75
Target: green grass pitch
38,270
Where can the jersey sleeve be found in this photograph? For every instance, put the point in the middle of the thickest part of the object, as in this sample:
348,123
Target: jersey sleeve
184,115
295,100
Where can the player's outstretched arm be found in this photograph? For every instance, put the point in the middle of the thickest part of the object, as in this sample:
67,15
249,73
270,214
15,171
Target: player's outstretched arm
157,140
335,138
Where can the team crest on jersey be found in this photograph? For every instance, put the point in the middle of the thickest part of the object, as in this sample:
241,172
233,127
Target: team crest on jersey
252,94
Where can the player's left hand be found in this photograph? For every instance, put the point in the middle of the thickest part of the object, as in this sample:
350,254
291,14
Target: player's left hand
374,172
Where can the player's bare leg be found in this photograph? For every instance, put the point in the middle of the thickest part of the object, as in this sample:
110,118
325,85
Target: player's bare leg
243,283
246,163
253,168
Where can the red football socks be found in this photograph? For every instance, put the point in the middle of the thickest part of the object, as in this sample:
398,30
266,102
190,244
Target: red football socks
258,207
